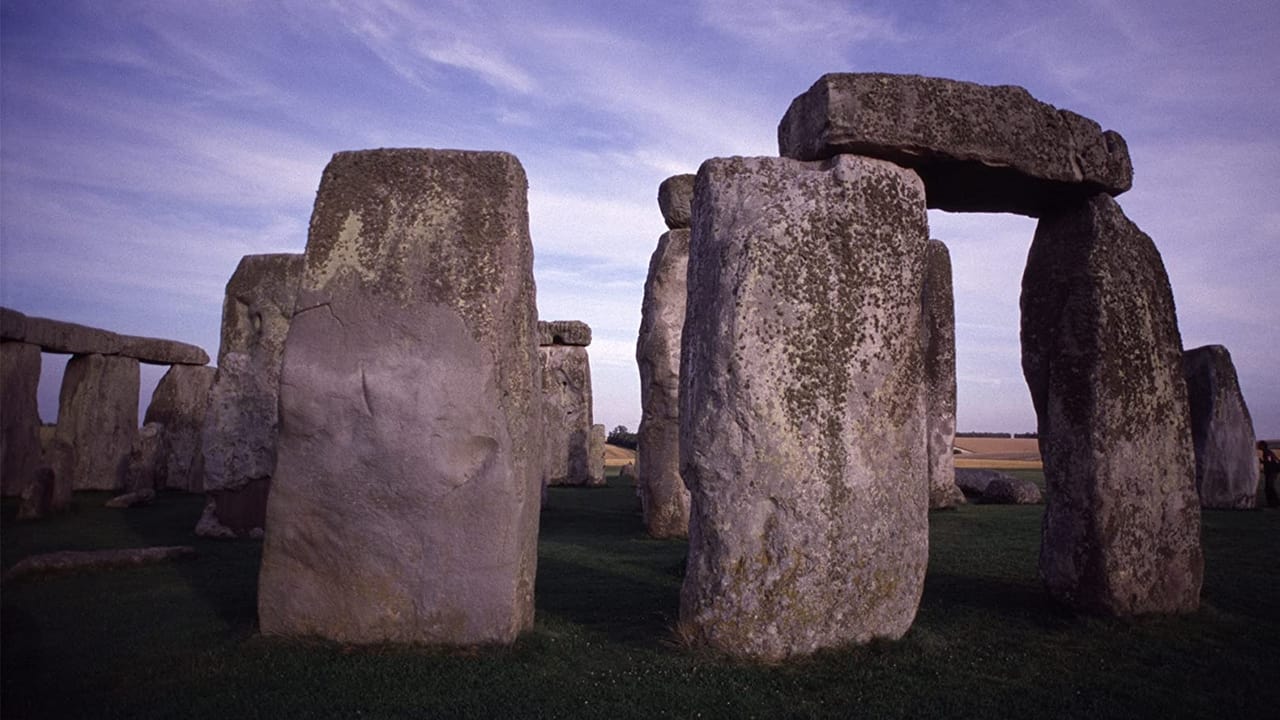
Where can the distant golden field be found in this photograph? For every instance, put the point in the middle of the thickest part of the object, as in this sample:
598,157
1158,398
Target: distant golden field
995,453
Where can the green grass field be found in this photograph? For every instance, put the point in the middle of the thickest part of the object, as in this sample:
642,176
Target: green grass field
179,640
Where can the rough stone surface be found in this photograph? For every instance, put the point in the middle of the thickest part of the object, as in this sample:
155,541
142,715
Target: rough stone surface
180,403
239,511
566,415
145,468
416,519
238,443
64,337
973,482
98,416
978,148
59,457
940,377
595,455
68,560
1221,431
19,416
1011,491
802,405
563,332
675,200
131,499
1102,356
40,496
664,500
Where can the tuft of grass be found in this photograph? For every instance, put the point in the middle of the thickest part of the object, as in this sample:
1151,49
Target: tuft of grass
180,640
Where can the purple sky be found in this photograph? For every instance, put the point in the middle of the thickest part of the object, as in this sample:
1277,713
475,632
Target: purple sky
147,146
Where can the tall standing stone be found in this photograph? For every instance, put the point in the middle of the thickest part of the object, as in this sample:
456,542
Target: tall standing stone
1221,431
19,416
405,501
179,403
1102,356
595,456
940,377
98,416
664,499
802,405
566,403
241,422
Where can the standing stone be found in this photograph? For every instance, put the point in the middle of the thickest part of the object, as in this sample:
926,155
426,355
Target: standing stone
98,416
675,200
238,444
40,496
1221,431
802,405
595,456
19,416
1102,357
566,414
940,377
146,466
179,403
664,499
404,505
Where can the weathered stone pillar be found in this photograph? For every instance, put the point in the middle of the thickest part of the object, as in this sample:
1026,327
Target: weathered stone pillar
19,416
98,416
940,376
1103,359
1221,431
802,405
404,505
595,456
664,500
566,403
240,426
179,403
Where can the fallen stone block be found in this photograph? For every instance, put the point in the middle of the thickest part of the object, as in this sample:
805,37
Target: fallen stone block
70,560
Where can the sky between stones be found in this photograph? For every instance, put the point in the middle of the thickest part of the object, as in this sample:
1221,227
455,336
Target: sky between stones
147,146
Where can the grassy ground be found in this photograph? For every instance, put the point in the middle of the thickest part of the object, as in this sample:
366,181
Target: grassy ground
179,640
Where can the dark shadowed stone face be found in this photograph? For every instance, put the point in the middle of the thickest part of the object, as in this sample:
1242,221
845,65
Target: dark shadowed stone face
1221,430
19,416
675,200
801,404
940,376
98,416
564,332
180,403
1102,356
566,415
978,148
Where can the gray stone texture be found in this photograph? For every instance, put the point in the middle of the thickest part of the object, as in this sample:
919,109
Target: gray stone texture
180,403
238,443
973,482
940,377
1221,431
63,337
415,519
98,417
40,496
978,148
1102,357
19,416
566,415
675,200
1011,491
664,500
564,332
595,455
802,405
145,467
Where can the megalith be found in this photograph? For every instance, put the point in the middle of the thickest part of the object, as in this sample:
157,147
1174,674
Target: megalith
179,404
19,416
595,456
566,403
146,466
940,377
675,200
1102,357
98,416
238,437
802,405
1221,431
978,148
405,499
664,499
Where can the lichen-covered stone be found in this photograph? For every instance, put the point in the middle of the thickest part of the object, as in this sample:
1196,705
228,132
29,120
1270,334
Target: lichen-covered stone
978,148
180,403
595,456
940,377
404,503
1102,356
802,405
563,332
238,444
675,200
664,500
146,466
98,416
19,416
1221,430
64,337
566,415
